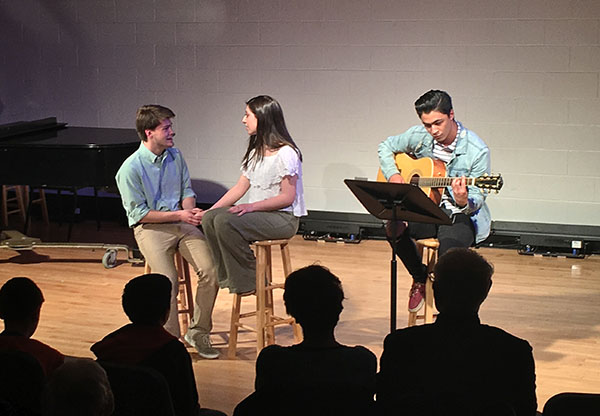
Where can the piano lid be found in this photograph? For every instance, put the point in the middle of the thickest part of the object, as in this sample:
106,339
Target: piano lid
47,133
24,127
62,156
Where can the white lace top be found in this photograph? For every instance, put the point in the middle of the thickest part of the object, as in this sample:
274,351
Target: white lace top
265,178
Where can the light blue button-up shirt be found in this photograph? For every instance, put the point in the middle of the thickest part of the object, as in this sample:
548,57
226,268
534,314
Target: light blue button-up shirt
149,182
471,158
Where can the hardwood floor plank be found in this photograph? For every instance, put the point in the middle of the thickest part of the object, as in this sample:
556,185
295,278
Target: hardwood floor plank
551,302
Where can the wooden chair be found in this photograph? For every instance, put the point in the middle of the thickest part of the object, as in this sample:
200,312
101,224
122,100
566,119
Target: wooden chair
429,253
266,320
186,296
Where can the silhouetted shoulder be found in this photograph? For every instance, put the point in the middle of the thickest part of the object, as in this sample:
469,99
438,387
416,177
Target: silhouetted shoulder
276,364
352,354
359,350
406,335
499,337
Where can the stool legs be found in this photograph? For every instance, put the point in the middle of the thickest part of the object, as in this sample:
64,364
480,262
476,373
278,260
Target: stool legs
285,256
287,270
234,326
41,200
263,271
186,299
429,251
19,198
429,300
430,254
266,320
412,318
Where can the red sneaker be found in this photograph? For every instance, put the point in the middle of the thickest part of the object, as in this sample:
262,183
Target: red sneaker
416,297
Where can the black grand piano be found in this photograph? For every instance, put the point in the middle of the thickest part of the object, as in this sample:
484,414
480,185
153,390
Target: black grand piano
45,153
50,155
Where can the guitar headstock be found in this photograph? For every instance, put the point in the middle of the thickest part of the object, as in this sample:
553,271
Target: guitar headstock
490,182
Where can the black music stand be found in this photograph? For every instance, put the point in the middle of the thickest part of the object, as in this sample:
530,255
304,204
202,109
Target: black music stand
396,202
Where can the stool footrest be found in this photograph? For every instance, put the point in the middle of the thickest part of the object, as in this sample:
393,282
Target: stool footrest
247,314
277,320
246,327
422,316
280,321
275,286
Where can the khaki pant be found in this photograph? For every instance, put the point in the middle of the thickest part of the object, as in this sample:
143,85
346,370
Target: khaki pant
158,243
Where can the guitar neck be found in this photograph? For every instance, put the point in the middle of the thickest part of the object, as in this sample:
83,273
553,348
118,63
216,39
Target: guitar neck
441,182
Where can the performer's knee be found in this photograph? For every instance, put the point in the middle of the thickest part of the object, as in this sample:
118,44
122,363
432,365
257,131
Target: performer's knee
206,278
208,218
223,220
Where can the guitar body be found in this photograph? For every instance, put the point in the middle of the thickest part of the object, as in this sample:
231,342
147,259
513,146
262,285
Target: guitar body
412,169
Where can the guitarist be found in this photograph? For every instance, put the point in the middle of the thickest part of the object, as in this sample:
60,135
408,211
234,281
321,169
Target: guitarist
440,137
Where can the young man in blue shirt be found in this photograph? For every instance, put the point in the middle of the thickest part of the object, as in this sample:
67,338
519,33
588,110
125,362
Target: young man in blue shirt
443,138
157,195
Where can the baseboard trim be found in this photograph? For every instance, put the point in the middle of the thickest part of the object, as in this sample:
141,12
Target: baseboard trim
511,234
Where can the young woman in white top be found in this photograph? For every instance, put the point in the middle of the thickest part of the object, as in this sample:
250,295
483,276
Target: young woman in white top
272,177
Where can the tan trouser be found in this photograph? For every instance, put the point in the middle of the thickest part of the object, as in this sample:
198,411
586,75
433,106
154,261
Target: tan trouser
158,243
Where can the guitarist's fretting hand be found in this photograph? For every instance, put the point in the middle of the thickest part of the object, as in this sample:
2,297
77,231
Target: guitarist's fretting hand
459,189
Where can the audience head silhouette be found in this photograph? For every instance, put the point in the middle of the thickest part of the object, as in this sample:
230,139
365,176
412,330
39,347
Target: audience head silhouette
313,296
79,387
20,303
147,298
463,279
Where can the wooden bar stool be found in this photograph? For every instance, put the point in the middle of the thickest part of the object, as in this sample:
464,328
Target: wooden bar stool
8,208
429,253
41,200
21,202
266,320
185,299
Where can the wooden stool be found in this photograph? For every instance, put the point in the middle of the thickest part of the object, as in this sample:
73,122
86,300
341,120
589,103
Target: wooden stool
40,200
185,299
428,248
21,199
266,320
18,199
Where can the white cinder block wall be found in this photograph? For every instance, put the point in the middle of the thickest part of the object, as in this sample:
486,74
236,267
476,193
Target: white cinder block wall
523,74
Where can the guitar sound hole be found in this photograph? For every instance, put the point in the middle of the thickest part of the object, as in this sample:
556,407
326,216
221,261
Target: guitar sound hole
414,180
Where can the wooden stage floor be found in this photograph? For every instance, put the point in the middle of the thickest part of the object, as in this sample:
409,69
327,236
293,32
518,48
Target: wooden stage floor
554,303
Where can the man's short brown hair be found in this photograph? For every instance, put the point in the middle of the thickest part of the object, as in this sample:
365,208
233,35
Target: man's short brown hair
149,116
462,280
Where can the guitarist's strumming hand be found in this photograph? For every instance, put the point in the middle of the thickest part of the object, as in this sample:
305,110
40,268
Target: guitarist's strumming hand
396,178
460,192
400,225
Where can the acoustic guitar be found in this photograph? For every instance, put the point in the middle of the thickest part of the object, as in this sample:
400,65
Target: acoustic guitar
430,175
